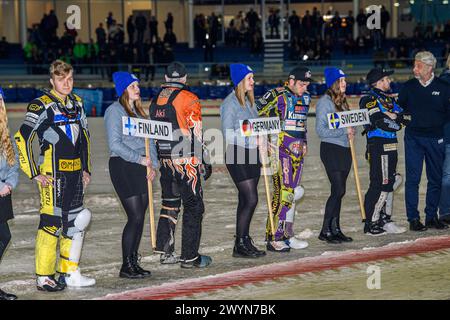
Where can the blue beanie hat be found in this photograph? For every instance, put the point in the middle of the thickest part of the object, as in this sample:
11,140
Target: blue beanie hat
332,74
122,80
238,72
2,94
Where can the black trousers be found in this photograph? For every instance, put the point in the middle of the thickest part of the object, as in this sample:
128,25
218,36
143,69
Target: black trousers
180,184
5,237
383,166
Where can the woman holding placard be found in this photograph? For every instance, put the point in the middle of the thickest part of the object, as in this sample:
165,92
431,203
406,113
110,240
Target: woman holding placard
242,155
127,168
334,152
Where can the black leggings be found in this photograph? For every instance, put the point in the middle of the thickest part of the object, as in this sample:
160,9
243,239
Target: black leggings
129,181
5,237
248,199
337,161
135,208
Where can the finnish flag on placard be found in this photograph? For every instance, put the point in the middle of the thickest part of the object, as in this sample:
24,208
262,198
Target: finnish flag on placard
129,126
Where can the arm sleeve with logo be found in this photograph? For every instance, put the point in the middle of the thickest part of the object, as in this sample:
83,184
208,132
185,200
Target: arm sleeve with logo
267,105
114,133
34,117
377,117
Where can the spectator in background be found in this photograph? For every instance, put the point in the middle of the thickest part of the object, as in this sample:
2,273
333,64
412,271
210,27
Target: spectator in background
294,24
53,23
4,48
350,23
213,23
208,48
101,35
361,20
274,24
336,25
93,55
141,26
252,20
131,28
306,24
170,38
385,18
169,22
79,54
153,26
109,20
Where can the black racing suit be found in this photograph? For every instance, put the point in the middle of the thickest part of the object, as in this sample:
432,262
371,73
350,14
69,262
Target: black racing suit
61,128
381,152
180,166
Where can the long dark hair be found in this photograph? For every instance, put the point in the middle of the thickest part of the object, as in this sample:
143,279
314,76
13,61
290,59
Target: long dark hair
339,99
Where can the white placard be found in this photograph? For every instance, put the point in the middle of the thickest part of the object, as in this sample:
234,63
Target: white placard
351,118
147,128
260,126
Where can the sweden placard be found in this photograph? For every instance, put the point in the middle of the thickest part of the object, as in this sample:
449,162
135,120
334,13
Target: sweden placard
147,128
351,118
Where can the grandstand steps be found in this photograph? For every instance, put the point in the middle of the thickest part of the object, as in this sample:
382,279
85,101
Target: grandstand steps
273,57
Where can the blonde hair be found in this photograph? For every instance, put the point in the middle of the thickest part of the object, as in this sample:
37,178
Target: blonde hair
60,68
6,148
339,99
241,94
124,101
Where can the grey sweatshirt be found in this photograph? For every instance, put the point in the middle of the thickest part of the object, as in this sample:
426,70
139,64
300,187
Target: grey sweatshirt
336,136
129,148
9,175
231,112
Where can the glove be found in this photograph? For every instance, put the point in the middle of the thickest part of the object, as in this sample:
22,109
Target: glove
206,171
403,118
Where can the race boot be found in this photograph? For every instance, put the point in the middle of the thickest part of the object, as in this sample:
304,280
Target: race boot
75,279
373,229
199,262
169,258
388,225
7,296
136,261
49,284
277,246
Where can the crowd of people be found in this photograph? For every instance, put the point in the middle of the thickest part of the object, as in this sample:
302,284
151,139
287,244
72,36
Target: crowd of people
109,49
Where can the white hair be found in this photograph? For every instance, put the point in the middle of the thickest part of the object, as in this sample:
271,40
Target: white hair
426,57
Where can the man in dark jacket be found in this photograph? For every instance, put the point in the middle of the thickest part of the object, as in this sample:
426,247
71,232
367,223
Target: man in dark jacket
427,99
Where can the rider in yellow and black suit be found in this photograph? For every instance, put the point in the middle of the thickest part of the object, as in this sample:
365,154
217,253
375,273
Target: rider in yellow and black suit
61,128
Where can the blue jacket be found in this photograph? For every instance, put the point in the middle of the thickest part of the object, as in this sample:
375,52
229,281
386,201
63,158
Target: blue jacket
231,112
8,174
129,148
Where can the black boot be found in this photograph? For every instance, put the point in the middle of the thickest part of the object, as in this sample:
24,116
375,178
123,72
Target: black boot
129,270
337,232
136,260
243,250
7,296
326,234
249,241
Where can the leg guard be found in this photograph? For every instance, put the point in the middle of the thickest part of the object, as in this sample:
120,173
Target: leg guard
165,239
379,206
46,244
298,194
72,242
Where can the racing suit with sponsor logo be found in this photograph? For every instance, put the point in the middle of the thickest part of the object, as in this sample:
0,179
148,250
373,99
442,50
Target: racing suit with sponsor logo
62,131
382,154
287,158
180,166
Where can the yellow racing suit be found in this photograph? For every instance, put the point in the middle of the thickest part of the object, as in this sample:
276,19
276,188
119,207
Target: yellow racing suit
62,131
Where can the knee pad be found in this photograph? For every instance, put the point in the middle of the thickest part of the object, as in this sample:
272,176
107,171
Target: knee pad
171,215
82,220
398,181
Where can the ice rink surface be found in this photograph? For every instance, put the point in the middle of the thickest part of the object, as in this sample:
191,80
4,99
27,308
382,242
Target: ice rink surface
101,256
